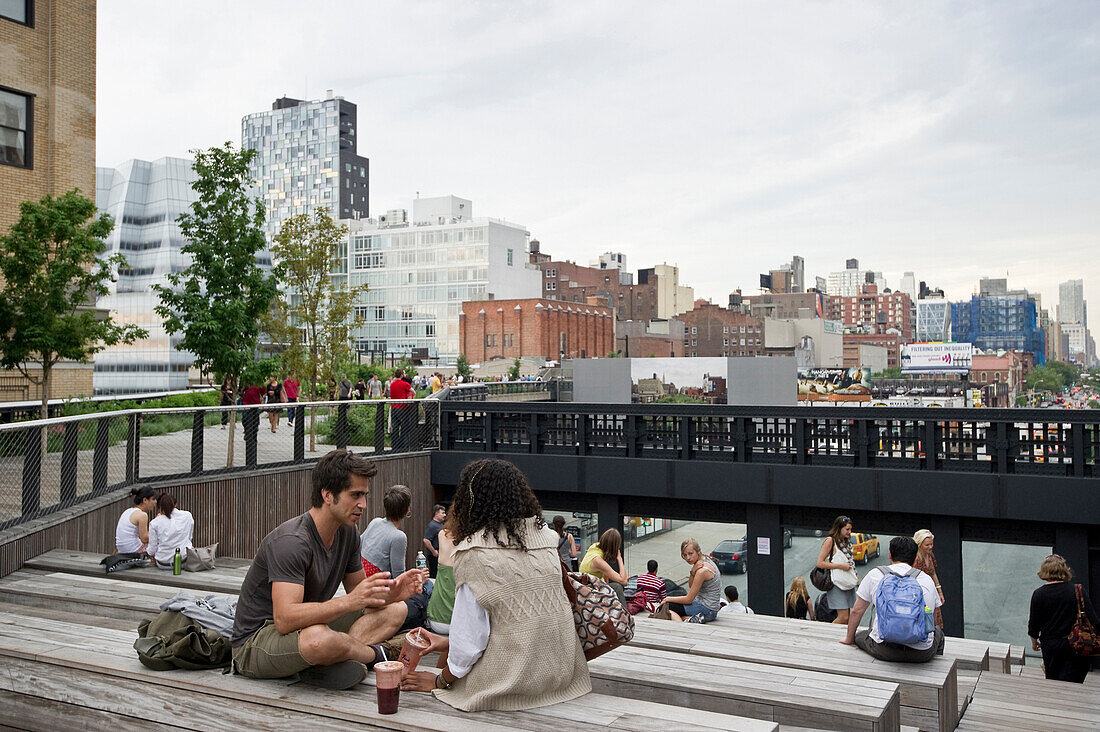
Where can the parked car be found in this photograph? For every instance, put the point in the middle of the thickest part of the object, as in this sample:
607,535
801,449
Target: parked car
731,556
671,588
864,547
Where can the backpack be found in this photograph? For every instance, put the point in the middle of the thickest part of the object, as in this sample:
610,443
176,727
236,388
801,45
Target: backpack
900,613
172,640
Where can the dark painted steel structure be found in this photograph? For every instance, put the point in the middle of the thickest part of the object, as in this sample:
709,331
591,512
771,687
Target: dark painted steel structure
1011,476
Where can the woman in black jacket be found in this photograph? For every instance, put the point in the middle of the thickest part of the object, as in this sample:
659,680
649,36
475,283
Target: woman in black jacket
1053,614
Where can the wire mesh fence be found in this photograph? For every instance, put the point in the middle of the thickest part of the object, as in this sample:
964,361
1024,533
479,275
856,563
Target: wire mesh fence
47,465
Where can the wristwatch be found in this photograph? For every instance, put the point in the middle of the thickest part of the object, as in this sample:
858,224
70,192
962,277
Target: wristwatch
442,683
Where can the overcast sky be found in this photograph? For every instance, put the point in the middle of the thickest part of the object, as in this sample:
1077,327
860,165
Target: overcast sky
954,140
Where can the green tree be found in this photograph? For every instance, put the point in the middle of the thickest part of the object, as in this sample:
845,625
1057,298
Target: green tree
513,371
1044,378
462,367
893,372
1068,373
51,274
218,303
313,313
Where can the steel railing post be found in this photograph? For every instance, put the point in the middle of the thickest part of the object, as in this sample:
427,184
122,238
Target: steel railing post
69,448
32,473
198,424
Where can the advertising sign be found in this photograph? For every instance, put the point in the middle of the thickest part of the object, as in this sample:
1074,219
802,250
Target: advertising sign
936,358
834,385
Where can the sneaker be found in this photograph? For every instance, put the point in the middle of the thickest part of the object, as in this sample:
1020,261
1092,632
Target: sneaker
338,676
697,618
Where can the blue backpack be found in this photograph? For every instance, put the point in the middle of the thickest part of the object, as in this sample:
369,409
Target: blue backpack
900,613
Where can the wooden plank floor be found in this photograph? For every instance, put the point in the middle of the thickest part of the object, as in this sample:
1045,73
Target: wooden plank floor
1012,702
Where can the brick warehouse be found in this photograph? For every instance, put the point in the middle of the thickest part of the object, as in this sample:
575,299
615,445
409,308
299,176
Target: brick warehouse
48,75
534,327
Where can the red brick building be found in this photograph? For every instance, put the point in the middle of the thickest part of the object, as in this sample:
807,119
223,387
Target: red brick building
890,341
711,330
509,329
874,311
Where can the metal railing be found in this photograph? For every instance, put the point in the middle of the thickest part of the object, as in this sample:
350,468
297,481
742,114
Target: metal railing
974,440
49,465
484,391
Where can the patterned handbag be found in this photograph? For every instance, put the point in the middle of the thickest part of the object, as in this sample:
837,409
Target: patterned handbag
602,621
1083,637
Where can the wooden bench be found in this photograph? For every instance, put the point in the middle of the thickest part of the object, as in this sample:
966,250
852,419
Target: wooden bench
1012,702
90,675
784,695
970,654
928,691
225,578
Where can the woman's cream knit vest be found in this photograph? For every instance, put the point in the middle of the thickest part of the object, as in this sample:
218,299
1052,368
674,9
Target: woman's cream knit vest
533,657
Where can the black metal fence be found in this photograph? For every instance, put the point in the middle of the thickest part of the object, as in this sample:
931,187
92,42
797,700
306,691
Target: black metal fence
1064,443
503,390
48,465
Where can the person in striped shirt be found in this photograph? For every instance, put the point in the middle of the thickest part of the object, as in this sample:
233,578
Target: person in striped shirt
652,585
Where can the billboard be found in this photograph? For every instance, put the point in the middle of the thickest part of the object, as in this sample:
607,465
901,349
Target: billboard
834,385
936,358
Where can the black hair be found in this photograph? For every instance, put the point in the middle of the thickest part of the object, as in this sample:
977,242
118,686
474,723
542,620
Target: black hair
437,508
140,493
558,525
731,593
396,502
493,497
333,473
903,549
166,504
651,566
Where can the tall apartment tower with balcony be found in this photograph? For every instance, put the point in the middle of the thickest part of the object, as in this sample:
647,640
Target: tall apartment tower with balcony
306,157
47,131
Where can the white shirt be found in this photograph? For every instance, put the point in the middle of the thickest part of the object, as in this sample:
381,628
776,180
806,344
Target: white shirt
469,632
735,608
127,540
166,534
868,589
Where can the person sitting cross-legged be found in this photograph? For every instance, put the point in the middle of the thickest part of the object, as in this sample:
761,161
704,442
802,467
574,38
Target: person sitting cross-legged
902,628
288,621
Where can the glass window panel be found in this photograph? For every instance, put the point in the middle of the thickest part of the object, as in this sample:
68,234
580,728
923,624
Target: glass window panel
14,9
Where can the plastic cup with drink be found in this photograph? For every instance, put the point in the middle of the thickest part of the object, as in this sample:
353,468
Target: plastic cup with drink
387,680
415,645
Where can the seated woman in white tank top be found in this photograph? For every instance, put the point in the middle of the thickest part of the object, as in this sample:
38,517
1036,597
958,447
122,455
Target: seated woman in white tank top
172,529
132,531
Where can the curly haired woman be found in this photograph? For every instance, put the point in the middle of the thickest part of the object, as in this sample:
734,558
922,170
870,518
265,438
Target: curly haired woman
508,578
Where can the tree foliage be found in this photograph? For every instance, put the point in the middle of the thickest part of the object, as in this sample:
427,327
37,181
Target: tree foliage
1045,378
513,370
462,367
52,274
218,303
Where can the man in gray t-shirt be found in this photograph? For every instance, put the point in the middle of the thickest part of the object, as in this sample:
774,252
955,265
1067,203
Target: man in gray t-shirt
288,620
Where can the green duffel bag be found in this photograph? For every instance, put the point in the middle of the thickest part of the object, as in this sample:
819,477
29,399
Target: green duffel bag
172,640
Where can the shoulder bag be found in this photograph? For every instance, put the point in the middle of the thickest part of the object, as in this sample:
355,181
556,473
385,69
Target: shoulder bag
1083,637
200,558
821,578
844,579
601,620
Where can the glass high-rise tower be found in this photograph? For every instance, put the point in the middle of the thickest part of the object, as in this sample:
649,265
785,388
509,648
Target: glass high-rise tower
306,158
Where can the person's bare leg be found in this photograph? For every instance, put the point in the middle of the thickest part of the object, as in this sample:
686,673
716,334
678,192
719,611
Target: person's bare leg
841,617
379,625
320,645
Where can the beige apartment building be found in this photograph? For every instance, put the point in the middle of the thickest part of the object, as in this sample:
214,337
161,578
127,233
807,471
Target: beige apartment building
47,130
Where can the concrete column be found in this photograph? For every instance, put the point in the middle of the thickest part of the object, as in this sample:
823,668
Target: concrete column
1072,542
608,514
949,570
765,580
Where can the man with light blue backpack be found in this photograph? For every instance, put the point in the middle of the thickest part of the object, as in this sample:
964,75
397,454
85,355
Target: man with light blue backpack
902,628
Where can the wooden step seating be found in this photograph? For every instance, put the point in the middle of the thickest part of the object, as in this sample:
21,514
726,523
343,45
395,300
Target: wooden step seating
784,695
929,691
1012,702
978,655
225,578
89,675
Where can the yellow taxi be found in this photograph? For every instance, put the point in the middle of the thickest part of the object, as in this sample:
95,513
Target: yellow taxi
864,547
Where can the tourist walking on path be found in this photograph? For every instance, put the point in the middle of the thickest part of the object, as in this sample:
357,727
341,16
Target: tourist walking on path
288,620
836,553
404,415
431,538
1054,611
926,562
374,387
345,389
798,603
567,545
132,530
604,560
290,393
172,529
513,643
360,389
704,598
273,395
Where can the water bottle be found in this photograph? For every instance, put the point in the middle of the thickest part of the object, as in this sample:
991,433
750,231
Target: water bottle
421,561
177,562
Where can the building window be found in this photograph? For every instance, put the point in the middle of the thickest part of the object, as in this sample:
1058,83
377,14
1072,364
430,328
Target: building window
509,257
16,126
551,285
693,330
20,11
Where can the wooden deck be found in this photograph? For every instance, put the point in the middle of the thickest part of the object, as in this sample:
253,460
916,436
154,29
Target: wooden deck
66,656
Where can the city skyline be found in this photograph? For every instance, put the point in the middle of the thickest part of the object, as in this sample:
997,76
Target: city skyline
951,142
